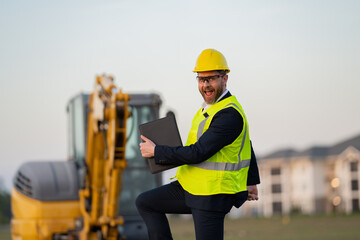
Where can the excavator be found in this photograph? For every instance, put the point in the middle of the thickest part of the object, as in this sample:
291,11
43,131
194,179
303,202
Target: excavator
91,196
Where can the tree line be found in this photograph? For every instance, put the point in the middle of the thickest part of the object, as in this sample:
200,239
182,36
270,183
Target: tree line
5,207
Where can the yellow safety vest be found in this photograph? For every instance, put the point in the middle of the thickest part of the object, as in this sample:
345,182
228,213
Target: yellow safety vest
224,172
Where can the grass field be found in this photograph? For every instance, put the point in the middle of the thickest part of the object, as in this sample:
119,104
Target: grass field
338,227
5,232
286,228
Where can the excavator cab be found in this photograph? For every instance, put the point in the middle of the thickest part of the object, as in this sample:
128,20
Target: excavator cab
136,177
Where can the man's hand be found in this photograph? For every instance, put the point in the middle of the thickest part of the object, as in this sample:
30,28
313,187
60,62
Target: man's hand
252,193
147,147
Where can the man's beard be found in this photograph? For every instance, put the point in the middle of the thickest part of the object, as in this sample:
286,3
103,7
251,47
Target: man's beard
218,93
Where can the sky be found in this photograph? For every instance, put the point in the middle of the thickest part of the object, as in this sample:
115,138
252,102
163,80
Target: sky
295,66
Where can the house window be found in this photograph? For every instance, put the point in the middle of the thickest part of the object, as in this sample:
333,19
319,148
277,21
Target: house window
277,207
275,171
355,205
276,188
354,185
353,166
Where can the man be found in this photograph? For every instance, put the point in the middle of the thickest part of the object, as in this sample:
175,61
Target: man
218,166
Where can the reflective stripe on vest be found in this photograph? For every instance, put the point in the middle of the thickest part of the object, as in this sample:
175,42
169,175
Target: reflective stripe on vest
222,166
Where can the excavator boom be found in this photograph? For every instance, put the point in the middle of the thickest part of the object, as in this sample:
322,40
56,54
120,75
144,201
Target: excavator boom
105,160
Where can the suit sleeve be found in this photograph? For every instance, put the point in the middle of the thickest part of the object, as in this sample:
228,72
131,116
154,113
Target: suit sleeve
223,130
253,173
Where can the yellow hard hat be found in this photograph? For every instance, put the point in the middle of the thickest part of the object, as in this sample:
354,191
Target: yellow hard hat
211,60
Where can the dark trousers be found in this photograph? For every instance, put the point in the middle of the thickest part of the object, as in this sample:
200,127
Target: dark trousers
154,204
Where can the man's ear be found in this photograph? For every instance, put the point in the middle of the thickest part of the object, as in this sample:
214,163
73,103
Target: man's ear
225,79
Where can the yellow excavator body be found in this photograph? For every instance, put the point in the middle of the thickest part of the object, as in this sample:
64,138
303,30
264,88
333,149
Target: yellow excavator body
34,219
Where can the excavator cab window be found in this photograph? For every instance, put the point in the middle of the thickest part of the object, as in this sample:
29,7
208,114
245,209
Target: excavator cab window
77,125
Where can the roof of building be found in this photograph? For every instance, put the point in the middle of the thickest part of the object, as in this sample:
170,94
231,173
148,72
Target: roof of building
317,151
284,153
